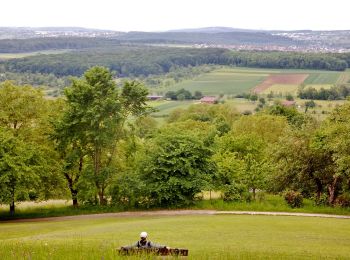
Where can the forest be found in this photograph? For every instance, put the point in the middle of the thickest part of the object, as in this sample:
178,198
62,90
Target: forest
98,146
142,61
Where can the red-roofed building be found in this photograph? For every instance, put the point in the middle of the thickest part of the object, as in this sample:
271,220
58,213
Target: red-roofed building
208,100
288,103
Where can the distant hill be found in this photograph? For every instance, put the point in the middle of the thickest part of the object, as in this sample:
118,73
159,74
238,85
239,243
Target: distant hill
218,29
43,38
51,32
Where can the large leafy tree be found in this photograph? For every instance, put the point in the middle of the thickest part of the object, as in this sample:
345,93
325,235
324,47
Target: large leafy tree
297,165
91,124
332,140
26,158
175,168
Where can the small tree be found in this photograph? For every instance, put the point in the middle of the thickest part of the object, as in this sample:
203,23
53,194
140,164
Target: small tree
289,97
309,104
21,165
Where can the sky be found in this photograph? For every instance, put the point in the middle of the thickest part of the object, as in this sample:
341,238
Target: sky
162,15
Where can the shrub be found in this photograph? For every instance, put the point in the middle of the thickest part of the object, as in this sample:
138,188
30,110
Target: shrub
322,201
293,198
234,192
260,196
343,200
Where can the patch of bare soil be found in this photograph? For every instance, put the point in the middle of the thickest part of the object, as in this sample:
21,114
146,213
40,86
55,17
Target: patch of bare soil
289,79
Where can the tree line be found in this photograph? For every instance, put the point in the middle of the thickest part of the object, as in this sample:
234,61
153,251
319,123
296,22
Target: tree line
142,61
333,93
99,145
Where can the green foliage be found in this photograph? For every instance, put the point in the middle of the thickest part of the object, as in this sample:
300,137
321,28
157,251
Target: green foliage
293,198
309,104
180,94
175,168
27,161
343,200
334,93
290,113
92,124
235,192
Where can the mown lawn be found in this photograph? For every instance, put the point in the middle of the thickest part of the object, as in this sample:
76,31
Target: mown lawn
206,237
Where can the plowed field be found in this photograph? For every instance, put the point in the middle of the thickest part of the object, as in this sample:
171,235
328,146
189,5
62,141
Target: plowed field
288,79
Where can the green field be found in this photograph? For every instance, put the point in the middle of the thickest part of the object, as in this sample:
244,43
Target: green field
206,237
224,81
166,107
322,77
232,81
282,89
8,56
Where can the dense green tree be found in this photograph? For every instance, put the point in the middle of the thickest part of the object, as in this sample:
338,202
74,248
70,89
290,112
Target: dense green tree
21,166
92,123
290,113
332,140
28,163
175,168
241,159
297,166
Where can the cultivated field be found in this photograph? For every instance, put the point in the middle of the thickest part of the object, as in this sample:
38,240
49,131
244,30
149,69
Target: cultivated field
280,79
224,81
232,81
206,237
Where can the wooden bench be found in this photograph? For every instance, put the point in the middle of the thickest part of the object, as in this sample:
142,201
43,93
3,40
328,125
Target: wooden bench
156,251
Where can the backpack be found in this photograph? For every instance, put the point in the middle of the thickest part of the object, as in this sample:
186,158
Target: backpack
148,244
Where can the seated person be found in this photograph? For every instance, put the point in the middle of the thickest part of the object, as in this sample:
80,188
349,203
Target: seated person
143,243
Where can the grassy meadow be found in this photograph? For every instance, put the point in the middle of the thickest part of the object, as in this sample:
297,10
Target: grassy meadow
206,237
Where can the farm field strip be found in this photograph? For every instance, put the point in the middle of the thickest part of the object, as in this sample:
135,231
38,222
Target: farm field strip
167,106
222,81
322,78
281,89
279,79
344,77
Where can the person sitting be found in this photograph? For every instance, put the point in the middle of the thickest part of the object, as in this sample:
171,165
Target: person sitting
143,243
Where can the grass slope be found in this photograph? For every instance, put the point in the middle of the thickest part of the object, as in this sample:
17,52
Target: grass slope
207,237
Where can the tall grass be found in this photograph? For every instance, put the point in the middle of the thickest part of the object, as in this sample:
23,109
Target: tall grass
272,203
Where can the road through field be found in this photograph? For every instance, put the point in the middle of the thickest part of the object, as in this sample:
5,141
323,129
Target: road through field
175,213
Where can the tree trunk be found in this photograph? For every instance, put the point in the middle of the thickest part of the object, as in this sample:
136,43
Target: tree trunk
331,191
12,208
73,191
319,189
254,192
102,199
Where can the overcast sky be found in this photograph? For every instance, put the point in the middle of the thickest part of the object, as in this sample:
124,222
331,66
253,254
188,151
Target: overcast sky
160,15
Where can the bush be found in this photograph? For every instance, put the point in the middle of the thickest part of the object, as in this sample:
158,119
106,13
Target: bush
322,201
343,200
234,192
293,198
260,196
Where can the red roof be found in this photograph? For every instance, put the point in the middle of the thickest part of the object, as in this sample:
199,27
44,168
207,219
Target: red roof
208,99
288,103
